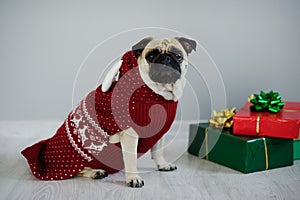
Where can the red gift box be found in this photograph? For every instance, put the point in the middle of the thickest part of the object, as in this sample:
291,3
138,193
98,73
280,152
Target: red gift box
284,124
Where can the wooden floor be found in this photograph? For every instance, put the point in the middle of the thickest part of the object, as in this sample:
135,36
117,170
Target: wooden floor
194,179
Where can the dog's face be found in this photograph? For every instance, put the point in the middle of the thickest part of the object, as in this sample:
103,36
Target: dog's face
163,64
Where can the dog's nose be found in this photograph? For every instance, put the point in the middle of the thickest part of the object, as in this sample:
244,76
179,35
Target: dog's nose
167,59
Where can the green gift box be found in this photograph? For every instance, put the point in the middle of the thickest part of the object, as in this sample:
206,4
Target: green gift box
245,154
296,149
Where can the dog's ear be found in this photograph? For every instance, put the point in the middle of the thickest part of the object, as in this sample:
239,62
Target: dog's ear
139,47
187,44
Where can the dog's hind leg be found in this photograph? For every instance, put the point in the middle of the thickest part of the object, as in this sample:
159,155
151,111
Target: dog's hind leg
157,155
93,173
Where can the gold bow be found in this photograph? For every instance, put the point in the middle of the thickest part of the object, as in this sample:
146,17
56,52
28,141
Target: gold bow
222,119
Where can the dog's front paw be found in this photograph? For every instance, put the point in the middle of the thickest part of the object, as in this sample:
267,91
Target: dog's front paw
134,181
166,168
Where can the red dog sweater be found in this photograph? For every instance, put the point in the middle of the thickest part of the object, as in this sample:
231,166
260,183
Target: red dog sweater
83,138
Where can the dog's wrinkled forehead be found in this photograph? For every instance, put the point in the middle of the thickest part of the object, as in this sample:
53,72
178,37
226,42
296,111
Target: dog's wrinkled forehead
184,45
164,45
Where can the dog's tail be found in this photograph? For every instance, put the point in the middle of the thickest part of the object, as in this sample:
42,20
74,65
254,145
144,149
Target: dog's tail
112,75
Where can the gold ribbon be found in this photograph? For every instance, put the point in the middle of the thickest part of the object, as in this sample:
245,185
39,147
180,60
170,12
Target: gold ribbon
266,153
223,118
257,124
263,139
286,110
206,143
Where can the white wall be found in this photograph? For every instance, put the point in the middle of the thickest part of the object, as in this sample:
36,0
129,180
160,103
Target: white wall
255,45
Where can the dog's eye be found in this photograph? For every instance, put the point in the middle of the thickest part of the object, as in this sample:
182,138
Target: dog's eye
152,55
179,57
177,54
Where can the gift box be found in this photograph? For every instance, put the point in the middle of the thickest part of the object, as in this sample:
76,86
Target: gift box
283,124
296,149
245,154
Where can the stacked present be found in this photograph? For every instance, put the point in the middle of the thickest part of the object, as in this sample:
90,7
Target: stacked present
261,135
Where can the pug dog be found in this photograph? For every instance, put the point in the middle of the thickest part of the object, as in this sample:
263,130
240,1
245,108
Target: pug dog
122,119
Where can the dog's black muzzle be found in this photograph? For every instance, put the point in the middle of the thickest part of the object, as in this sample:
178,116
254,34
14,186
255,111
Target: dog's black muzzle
164,68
